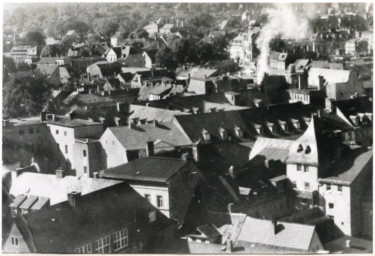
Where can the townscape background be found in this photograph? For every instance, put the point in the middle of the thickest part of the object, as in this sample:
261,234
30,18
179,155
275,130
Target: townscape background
187,128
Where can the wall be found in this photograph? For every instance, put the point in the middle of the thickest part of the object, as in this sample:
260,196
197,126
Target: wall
316,244
197,86
342,205
155,191
92,161
114,152
341,91
300,177
22,246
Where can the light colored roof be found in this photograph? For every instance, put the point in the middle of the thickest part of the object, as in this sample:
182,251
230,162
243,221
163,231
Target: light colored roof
168,26
25,121
56,189
136,138
275,149
331,76
150,113
293,235
70,32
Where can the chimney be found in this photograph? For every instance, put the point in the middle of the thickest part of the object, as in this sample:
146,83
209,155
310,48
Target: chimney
43,116
329,105
95,175
347,243
229,248
74,199
60,173
230,207
321,82
274,224
150,148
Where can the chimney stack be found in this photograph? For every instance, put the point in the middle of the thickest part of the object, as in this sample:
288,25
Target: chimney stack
347,243
95,175
150,148
274,224
60,173
321,82
74,198
229,248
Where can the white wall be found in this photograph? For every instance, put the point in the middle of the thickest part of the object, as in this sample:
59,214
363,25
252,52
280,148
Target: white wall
300,177
154,191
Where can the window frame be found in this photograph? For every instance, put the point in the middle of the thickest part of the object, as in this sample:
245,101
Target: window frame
339,188
159,201
305,168
121,239
331,205
86,248
14,241
148,197
308,185
84,152
66,149
299,167
102,243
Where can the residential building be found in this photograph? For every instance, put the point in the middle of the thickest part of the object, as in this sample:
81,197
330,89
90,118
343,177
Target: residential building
167,183
23,52
103,69
115,39
122,144
66,131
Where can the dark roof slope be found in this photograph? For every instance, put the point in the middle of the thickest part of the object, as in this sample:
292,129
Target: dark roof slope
156,169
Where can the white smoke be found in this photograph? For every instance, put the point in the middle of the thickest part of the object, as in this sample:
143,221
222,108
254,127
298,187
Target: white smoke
284,20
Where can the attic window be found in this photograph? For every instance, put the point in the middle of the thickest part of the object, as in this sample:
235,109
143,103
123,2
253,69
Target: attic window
205,134
238,131
308,150
300,148
223,133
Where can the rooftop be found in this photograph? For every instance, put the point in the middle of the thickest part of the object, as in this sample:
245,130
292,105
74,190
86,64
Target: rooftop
154,169
72,123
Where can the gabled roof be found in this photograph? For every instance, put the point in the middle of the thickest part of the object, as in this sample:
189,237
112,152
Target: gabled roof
293,235
56,189
272,149
136,138
47,69
331,76
154,169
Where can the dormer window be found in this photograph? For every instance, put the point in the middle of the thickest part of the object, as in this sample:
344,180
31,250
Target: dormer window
369,116
206,135
300,148
283,125
258,128
307,120
238,131
223,133
296,123
271,127
308,150
354,119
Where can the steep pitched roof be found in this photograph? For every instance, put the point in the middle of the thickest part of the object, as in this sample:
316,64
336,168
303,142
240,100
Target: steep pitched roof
136,138
56,189
155,169
293,235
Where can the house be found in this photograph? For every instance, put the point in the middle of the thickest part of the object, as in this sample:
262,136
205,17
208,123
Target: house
325,42
167,183
112,84
22,52
128,55
59,61
115,39
310,156
167,28
152,28
339,84
341,189
56,75
66,131
103,69
125,79
349,245
279,61
242,49
113,54
291,237
83,62
122,144
88,224
153,76
71,35
149,58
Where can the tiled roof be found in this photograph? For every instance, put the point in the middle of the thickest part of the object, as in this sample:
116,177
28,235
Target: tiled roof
47,69
154,169
347,169
77,122
137,137
272,149
331,76
150,113
56,189
294,236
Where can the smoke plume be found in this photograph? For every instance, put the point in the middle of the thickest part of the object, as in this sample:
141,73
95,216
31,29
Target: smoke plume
286,21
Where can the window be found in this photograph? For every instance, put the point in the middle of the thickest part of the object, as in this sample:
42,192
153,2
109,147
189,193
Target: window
306,168
57,131
307,186
159,201
87,248
148,197
21,132
339,188
102,245
66,149
84,169
121,239
331,205
298,167
152,216
328,187
14,240
84,153
65,133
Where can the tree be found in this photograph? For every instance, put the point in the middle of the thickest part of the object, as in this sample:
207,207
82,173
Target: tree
105,26
35,38
25,94
164,57
8,67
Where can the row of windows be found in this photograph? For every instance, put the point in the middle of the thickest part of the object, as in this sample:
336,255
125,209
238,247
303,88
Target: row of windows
159,200
30,131
103,245
339,187
305,167
65,132
14,241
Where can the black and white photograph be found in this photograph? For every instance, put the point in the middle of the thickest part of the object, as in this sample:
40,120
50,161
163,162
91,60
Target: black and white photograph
187,127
